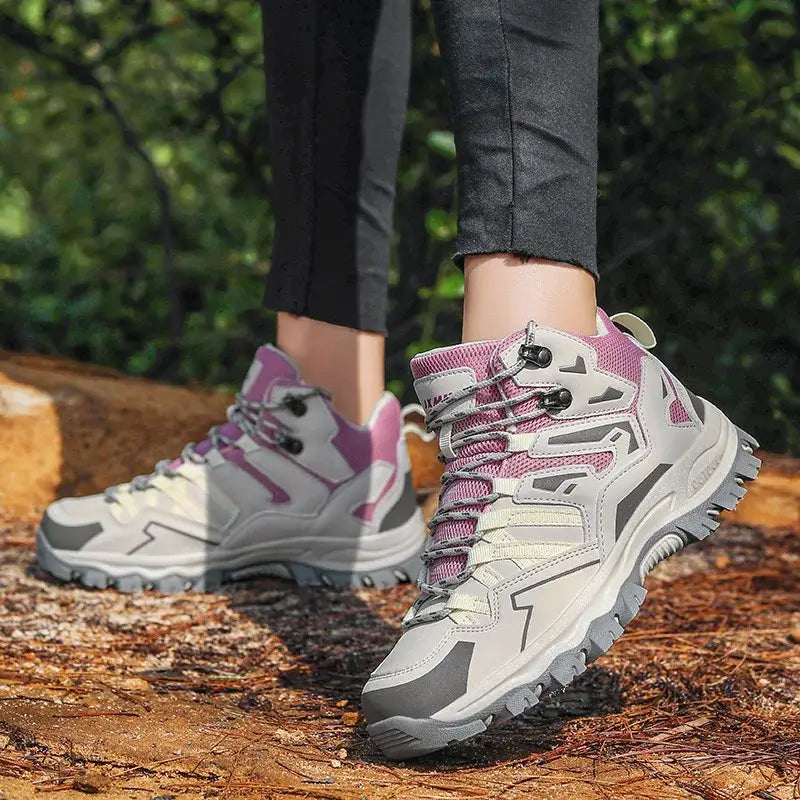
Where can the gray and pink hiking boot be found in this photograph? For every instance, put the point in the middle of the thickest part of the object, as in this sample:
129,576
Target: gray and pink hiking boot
287,487
573,465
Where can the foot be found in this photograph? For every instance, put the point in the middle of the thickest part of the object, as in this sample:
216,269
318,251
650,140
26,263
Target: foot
574,464
286,487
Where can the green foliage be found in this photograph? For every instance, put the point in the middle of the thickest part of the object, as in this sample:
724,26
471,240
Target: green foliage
136,226
104,108
443,143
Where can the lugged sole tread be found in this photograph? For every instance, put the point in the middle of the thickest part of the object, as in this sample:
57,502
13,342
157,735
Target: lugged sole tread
432,735
214,580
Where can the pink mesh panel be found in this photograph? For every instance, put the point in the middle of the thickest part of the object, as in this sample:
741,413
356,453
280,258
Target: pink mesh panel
473,354
512,391
678,413
521,464
616,352
537,423
448,566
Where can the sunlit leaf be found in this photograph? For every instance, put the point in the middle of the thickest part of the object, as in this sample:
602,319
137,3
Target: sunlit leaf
442,143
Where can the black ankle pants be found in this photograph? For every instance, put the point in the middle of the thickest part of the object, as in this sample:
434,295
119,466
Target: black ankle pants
522,81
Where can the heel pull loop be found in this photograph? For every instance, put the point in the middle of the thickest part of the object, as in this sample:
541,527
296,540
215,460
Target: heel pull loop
635,327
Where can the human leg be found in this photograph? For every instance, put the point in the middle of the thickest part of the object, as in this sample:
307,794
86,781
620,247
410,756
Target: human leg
348,362
337,78
523,97
292,484
574,459
500,289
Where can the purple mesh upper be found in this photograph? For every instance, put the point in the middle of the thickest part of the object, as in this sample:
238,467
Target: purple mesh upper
678,415
616,353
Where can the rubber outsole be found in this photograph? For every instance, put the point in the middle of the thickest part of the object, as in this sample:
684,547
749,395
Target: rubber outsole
214,579
401,738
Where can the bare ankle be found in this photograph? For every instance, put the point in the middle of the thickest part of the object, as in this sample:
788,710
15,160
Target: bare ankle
346,362
503,292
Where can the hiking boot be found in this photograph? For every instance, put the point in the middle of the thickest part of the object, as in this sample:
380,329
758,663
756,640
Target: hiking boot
573,465
287,487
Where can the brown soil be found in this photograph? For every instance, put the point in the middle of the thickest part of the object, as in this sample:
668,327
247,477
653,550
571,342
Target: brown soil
254,693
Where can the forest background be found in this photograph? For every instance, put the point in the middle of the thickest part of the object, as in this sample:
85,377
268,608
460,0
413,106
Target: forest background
136,214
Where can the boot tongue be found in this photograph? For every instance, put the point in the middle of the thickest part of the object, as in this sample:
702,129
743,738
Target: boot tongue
268,365
440,373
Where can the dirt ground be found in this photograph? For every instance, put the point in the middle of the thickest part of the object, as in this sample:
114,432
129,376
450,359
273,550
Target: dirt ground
254,693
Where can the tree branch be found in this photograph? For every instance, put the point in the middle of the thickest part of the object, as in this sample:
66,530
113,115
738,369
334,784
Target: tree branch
43,45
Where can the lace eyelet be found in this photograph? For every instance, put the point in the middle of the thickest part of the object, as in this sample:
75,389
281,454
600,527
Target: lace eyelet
557,400
295,405
536,355
292,445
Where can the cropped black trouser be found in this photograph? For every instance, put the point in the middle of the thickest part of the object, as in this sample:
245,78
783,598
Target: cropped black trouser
522,81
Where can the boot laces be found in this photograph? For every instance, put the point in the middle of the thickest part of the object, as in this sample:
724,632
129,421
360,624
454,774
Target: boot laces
466,508
248,416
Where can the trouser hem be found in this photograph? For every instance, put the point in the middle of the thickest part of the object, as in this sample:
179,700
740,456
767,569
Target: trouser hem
287,291
521,251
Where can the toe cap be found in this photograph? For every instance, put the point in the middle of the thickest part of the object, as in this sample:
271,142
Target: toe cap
425,695
62,533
